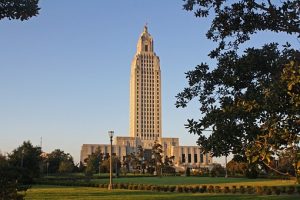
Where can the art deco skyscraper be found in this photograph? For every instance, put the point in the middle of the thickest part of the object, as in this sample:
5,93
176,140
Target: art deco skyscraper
145,92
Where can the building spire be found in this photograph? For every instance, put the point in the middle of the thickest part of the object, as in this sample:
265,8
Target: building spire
146,28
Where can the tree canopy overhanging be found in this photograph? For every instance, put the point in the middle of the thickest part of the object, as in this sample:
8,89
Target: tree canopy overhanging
18,9
235,21
250,101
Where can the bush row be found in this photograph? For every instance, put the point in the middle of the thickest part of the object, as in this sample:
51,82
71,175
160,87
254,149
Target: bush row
261,190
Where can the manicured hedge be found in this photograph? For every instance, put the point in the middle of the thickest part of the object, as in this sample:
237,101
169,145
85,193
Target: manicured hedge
260,190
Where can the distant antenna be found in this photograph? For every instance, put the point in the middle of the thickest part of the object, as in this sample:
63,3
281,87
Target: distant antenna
41,142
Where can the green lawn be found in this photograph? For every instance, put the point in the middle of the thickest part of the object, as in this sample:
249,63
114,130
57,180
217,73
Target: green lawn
182,180
57,193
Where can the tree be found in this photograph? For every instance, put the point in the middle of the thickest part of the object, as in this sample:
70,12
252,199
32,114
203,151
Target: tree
168,165
93,161
250,100
55,158
141,158
236,168
14,180
235,21
217,170
157,157
19,9
28,158
65,166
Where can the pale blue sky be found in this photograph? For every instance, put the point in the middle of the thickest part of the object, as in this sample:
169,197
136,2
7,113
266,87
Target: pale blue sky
64,75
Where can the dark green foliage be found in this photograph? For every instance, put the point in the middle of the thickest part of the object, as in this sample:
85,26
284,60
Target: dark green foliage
250,190
188,172
242,189
13,180
156,160
28,158
259,190
218,189
179,188
59,159
250,100
172,188
252,172
268,191
235,21
217,171
203,188
298,189
210,189
186,188
18,9
291,190
227,190
276,190
233,189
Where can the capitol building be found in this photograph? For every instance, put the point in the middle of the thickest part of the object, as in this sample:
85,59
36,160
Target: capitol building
145,125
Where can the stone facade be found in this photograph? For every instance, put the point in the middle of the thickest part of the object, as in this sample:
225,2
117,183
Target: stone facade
145,113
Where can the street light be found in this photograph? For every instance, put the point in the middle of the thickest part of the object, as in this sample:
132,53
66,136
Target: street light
111,134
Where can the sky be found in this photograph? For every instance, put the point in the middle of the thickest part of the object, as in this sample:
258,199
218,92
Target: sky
64,75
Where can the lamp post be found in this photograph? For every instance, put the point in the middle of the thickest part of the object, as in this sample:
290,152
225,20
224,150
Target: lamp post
111,134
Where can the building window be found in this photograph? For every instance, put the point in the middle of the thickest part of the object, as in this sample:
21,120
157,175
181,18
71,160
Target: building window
183,158
189,158
201,158
195,158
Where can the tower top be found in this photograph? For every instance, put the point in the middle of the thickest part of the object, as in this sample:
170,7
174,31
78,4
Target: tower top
145,43
146,28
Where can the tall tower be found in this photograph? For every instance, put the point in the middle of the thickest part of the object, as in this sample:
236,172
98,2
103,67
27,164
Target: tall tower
145,92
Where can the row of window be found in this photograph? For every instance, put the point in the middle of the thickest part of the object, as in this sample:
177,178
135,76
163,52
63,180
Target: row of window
183,158
147,71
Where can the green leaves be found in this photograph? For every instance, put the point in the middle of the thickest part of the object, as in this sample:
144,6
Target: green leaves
235,21
18,9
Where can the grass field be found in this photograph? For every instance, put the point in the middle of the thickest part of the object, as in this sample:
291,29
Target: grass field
59,192
183,180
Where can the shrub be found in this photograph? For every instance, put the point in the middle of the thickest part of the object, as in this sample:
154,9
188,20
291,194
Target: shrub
252,172
140,187
210,189
153,187
196,188
276,190
250,190
188,172
147,187
172,188
186,188
158,188
291,190
204,188
179,188
233,189
269,191
166,188
265,188
242,189
226,189
298,189
283,189
218,189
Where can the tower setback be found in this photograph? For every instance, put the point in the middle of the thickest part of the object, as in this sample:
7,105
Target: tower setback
145,121
145,92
